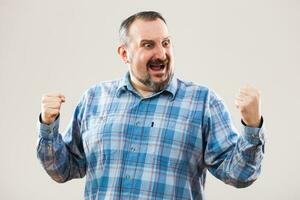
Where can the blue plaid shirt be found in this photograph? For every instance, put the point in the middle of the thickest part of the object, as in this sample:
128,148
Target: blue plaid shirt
159,147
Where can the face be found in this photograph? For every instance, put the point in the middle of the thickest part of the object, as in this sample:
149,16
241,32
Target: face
149,55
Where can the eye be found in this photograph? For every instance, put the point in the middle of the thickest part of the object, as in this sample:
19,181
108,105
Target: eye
148,45
166,43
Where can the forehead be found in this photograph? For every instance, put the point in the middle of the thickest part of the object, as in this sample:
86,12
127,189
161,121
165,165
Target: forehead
148,30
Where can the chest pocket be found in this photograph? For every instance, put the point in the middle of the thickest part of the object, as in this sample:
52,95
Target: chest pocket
102,139
175,143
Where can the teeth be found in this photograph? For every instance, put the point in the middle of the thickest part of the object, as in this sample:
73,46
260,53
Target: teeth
156,65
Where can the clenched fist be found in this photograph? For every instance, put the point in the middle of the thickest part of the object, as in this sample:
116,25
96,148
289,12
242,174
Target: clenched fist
248,103
51,106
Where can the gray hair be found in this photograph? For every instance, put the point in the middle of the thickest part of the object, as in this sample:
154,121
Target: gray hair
145,15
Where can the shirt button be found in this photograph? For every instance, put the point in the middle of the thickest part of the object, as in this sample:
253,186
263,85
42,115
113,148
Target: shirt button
127,177
49,131
137,123
102,118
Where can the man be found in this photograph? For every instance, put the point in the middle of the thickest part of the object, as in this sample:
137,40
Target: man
150,135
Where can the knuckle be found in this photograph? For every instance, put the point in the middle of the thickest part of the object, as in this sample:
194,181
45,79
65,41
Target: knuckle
258,92
43,98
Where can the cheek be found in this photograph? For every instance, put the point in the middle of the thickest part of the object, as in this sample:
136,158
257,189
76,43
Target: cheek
145,57
142,61
170,53
139,64
139,57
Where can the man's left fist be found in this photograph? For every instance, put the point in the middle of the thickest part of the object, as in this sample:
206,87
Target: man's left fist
248,103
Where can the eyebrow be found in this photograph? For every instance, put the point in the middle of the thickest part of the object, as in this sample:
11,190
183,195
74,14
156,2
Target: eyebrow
147,40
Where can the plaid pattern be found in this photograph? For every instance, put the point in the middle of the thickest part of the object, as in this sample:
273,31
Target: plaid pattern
150,148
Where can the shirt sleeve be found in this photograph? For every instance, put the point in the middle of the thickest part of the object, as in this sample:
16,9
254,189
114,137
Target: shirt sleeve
62,157
231,157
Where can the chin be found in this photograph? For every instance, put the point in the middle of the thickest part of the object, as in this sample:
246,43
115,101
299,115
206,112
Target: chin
160,81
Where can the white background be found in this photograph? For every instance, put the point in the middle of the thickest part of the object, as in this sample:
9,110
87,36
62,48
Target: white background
68,45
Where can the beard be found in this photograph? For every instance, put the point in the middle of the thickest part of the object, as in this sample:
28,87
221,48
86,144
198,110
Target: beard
156,87
147,80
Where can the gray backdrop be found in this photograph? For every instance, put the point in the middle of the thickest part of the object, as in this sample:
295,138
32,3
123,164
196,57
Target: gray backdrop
68,45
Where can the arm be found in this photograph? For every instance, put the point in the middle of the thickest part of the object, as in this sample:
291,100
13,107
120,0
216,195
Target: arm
234,159
63,158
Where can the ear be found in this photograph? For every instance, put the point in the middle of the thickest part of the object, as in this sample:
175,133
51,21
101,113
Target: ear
122,51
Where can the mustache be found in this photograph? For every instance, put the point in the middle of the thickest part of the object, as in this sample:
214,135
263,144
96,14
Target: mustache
158,62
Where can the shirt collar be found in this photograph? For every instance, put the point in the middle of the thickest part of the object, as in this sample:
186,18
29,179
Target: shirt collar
125,85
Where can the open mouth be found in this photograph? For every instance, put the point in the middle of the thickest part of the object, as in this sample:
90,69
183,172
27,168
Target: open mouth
158,65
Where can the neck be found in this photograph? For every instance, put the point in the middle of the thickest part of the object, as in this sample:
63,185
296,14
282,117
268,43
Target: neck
142,89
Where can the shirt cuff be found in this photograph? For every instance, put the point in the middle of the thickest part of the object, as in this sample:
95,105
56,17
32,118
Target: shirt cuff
254,135
50,131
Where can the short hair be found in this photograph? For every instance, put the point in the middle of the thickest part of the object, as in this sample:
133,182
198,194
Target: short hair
145,15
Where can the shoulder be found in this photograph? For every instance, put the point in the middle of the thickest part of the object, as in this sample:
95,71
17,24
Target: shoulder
191,88
189,85
102,89
199,91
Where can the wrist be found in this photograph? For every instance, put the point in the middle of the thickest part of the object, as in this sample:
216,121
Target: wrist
254,124
45,121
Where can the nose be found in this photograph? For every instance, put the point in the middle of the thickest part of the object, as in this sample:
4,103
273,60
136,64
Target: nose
160,52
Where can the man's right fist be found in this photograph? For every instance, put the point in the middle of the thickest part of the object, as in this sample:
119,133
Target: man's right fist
51,106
